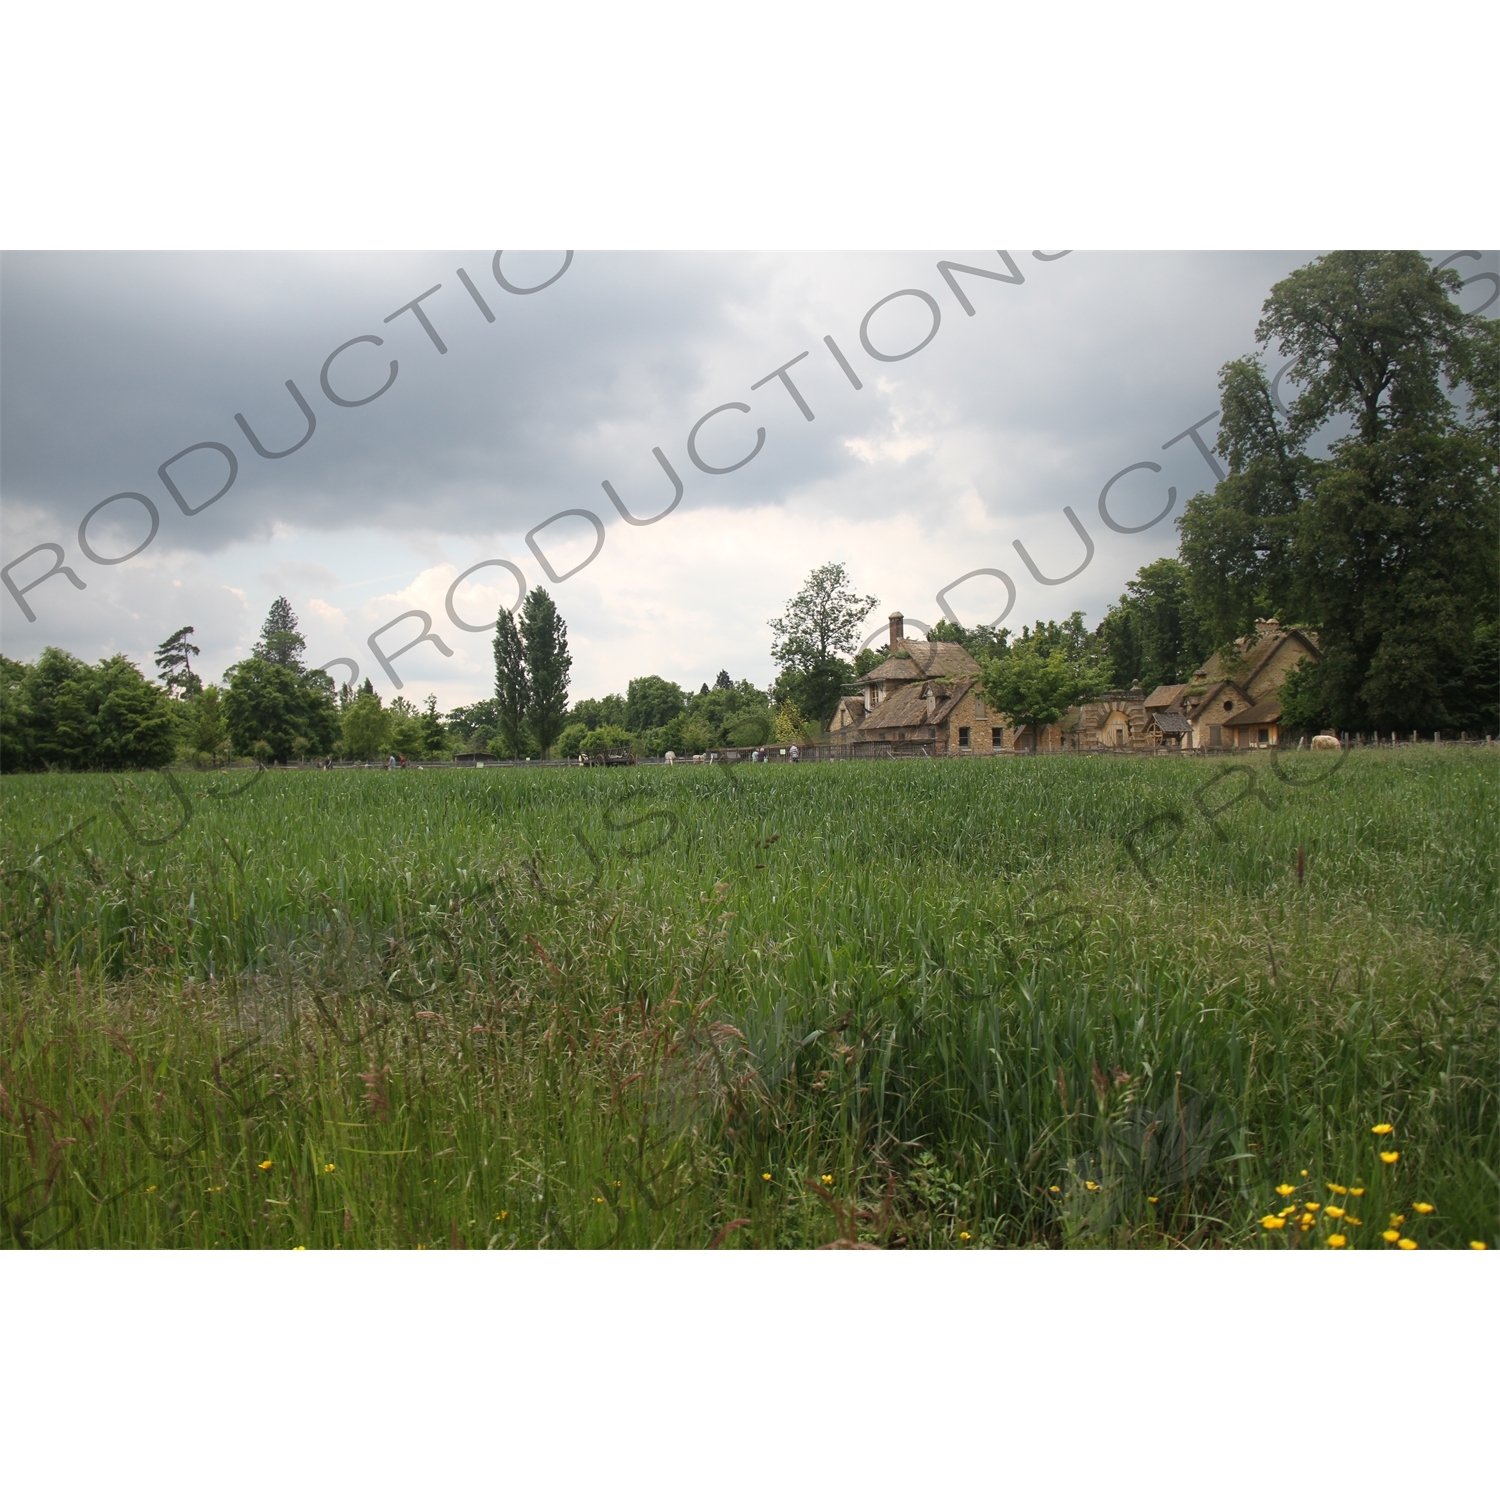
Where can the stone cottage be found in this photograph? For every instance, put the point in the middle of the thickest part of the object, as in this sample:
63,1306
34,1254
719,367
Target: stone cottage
1233,700
920,699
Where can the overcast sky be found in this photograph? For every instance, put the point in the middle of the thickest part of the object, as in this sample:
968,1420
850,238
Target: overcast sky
112,363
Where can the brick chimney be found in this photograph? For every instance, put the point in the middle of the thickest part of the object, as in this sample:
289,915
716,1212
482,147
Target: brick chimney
898,623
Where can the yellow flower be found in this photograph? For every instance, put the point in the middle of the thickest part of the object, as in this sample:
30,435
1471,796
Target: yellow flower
963,1234
299,1247
1334,1188
1054,1190
1334,1211
1356,1192
1422,1208
828,1179
1152,1200
152,1188
1285,1189
1304,1173
1093,1187
1306,1222
1273,1221
1312,1208
266,1166
1406,1244
1390,1236
1390,1157
1352,1220
1397,1219
598,1200
765,1176
1478,1245
1337,1241
330,1168
503,1214
1381,1129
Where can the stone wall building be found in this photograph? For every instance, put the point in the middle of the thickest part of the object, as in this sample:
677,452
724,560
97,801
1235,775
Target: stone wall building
921,699
1233,700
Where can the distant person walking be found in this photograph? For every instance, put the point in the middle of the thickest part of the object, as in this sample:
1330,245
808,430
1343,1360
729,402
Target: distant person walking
794,754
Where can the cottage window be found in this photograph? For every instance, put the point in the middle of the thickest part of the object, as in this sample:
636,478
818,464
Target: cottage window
1229,705
997,737
1265,736
963,737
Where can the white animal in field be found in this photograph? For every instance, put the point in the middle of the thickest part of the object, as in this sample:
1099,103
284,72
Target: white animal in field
699,759
1326,742
671,757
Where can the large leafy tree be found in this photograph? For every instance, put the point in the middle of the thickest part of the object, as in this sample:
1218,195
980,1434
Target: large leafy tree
651,702
365,725
208,731
1035,683
270,703
815,638
63,713
1155,633
1387,542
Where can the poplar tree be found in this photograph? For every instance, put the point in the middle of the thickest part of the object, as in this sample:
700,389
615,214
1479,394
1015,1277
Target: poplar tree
512,687
544,636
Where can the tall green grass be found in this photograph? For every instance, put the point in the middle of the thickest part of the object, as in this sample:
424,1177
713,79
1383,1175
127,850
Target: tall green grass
993,1002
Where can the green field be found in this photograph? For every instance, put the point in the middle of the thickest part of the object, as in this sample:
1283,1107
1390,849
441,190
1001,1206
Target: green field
902,1003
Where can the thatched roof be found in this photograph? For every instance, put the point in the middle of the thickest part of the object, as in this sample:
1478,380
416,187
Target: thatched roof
1267,711
918,660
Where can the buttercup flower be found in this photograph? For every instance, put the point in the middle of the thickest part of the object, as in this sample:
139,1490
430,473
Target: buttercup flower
1304,1172
503,1214
1337,1241
1352,1220
1423,1208
1334,1188
1285,1189
152,1188
1054,1190
1093,1187
1306,1222
1478,1245
1312,1208
1356,1192
1406,1244
964,1234
330,1167
1381,1129
1273,1221
765,1176
1152,1200
828,1179
1390,1157
1397,1220
1390,1236
299,1247
1334,1211
266,1165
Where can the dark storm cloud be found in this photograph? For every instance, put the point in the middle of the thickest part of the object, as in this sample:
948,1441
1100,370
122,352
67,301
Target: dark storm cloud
1025,396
